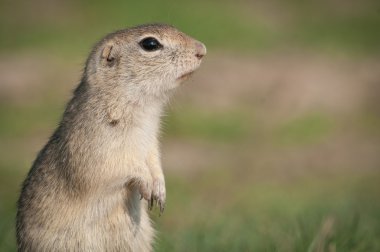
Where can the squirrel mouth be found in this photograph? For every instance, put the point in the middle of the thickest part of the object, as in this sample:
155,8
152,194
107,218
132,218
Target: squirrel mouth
185,76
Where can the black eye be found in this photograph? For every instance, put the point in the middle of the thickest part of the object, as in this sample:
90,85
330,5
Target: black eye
150,44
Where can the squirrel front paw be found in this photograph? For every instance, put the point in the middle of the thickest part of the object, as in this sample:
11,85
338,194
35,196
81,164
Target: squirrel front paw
143,185
151,191
145,189
158,194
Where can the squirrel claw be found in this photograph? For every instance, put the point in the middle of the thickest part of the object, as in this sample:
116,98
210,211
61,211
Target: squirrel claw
150,203
159,193
162,208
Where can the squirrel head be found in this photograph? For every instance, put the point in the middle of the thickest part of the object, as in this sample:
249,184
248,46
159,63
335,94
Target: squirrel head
143,61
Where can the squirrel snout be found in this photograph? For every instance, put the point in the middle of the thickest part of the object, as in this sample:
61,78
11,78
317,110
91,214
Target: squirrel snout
200,50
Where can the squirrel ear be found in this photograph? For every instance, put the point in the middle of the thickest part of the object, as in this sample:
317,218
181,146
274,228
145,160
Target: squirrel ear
109,54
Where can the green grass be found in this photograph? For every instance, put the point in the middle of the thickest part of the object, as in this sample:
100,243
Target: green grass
21,121
267,217
260,217
71,27
10,182
193,123
311,128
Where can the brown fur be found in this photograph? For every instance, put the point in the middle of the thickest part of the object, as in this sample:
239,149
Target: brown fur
83,191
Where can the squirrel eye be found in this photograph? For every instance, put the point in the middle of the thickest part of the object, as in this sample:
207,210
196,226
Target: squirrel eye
150,44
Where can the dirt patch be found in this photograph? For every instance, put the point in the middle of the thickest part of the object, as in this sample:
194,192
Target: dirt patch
29,77
284,84
281,83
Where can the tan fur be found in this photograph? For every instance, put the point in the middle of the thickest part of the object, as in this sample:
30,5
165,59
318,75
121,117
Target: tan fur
83,191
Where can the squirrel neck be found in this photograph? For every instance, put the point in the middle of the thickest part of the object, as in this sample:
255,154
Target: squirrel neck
113,106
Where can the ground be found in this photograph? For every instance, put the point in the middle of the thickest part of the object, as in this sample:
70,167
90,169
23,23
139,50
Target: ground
261,152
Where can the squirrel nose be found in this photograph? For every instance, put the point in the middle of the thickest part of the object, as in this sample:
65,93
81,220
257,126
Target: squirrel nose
200,50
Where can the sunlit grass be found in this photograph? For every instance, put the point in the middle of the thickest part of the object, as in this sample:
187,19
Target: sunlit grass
224,25
227,126
267,217
306,129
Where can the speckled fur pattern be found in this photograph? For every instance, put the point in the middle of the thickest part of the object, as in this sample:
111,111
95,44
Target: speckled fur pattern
84,190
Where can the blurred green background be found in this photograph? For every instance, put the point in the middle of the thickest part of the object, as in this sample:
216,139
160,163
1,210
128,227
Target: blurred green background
274,145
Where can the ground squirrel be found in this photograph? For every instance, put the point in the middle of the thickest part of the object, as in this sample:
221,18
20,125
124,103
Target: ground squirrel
84,190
